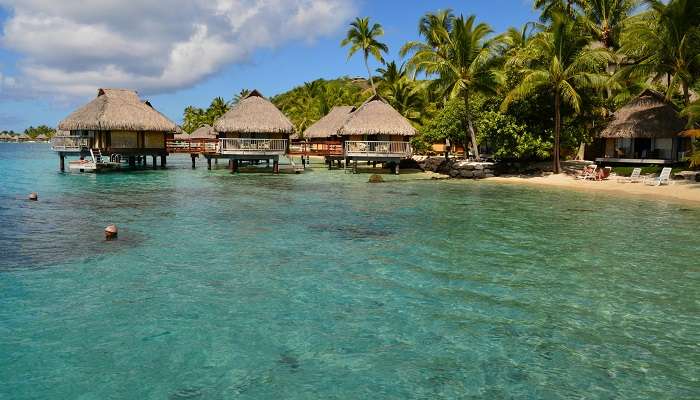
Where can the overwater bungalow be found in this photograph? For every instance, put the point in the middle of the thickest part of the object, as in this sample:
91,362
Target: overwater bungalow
647,130
253,130
114,127
41,138
376,132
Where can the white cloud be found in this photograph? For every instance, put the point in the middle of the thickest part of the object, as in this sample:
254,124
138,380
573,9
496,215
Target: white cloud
70,47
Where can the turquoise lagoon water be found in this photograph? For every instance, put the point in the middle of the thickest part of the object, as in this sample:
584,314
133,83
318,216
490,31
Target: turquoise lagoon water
321,285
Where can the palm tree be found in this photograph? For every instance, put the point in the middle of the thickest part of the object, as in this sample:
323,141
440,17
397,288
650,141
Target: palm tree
407,97
362,37
463,58
193,118
665,43
551,7
560,61
606,18
392,73
217,108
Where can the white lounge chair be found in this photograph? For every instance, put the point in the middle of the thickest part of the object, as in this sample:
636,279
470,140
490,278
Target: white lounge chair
635,177
589,172
663,179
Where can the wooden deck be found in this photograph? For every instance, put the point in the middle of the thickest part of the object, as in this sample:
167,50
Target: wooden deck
190,146
377,150
320,149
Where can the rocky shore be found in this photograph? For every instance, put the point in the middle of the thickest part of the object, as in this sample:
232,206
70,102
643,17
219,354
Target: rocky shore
457,168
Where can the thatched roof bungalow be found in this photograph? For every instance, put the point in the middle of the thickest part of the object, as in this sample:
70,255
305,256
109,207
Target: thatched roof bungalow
117,121
254,116
646,130
376,118
41,138
376,132
254,129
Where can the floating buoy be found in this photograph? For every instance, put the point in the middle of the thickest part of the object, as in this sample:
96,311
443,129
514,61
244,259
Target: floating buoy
111,232
376,179
33,196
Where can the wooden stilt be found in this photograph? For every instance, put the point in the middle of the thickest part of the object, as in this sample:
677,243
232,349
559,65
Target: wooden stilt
230,165
374,164
354,167
209,163
216,161
396,169
132,161
194,163
62,162
163,161
235,166
154,162
276,166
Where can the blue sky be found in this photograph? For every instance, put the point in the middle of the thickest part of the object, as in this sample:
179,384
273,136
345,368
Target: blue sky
45,75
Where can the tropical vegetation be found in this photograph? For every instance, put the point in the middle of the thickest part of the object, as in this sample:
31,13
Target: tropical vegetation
533,92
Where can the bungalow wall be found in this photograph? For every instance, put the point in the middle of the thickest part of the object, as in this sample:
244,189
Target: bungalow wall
123,140
672,149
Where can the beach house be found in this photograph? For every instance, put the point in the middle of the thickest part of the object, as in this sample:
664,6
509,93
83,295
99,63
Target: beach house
647,130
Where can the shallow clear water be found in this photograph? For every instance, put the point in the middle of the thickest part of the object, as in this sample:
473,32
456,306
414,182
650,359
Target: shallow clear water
324,286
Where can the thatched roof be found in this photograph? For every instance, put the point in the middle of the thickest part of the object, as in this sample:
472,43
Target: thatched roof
377,117
41,137
649,115
330,124
181,136
203,132
118,109
254,114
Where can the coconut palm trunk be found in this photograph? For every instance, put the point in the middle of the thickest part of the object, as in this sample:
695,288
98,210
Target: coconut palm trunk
369,74
557,132
470,129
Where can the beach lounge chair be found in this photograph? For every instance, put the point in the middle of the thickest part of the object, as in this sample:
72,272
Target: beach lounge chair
635,177
588,172
663,179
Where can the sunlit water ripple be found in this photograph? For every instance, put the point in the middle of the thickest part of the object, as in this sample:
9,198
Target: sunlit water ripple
324,286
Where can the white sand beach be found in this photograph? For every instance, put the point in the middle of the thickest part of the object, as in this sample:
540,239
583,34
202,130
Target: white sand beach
679,190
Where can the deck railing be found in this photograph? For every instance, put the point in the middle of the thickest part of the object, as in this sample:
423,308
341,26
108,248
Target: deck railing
193,146
241,146
69,143
317,148
377,149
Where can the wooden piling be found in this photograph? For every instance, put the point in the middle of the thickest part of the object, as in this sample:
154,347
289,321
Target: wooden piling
154,162
396,169
194,163
163,161
209,163
62,162
276,166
